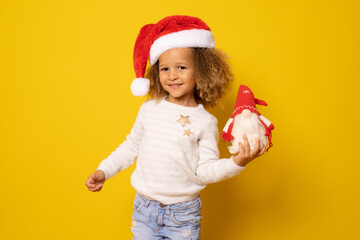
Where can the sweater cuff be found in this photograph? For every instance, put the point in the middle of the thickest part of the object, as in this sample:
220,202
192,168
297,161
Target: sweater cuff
232,167
103,168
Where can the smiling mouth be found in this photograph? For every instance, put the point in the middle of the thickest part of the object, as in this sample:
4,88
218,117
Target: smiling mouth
175,86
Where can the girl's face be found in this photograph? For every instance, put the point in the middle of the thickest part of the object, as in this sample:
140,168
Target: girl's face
176,72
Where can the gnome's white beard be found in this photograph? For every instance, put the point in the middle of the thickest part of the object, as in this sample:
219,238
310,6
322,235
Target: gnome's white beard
253,129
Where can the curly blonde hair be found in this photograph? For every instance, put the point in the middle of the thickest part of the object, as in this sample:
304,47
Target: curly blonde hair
212,73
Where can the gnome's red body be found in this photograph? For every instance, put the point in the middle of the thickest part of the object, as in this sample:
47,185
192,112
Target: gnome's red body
246,120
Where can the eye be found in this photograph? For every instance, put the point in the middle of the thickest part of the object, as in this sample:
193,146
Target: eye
182,67
164,69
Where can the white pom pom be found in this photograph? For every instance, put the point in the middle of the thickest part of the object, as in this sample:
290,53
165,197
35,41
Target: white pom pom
140,86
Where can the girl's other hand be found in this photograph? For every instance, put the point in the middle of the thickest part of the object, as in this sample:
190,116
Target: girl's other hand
95,181
246,155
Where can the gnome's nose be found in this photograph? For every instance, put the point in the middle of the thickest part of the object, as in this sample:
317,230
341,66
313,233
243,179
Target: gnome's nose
246,113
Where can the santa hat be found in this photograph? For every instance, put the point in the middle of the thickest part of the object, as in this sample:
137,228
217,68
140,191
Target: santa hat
246,100
170,32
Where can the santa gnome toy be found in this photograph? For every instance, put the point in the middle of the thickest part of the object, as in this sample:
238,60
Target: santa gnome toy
246,120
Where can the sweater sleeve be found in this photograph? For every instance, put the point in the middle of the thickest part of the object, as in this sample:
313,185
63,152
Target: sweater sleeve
211,169
126,154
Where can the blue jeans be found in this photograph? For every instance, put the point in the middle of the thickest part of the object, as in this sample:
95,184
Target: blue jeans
152,220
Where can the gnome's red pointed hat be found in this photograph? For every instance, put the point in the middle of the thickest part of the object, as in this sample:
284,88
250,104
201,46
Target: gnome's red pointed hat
171,32
246,100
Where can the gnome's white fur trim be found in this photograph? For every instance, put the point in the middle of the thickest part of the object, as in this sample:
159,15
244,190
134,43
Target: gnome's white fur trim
181,39
140,86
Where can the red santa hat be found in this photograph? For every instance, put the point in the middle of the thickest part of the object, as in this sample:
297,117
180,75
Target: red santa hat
246,100
171,32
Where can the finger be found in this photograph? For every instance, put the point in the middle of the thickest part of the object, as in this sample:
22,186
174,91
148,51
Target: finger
90,182
262,151
246,144
256,149
91,188
241,148
257,144
95,188
98,187
90,185
91,179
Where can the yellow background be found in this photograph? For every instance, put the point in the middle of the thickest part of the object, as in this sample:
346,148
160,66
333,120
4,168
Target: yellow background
66,68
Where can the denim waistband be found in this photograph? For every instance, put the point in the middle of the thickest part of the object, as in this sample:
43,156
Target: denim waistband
179,206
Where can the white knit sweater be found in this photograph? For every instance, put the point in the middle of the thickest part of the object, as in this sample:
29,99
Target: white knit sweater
175,160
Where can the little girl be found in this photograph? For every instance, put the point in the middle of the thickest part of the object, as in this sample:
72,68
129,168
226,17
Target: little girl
174,139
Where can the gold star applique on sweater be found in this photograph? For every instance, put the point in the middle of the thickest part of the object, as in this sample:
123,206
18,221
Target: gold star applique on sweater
184,120
187,132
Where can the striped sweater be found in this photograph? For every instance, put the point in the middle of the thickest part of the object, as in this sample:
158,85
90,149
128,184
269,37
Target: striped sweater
176,151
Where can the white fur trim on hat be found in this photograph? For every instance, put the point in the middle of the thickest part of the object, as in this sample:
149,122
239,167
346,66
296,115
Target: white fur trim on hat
181,39
140,86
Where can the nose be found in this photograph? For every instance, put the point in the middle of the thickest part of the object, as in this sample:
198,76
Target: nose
172,75
246,113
